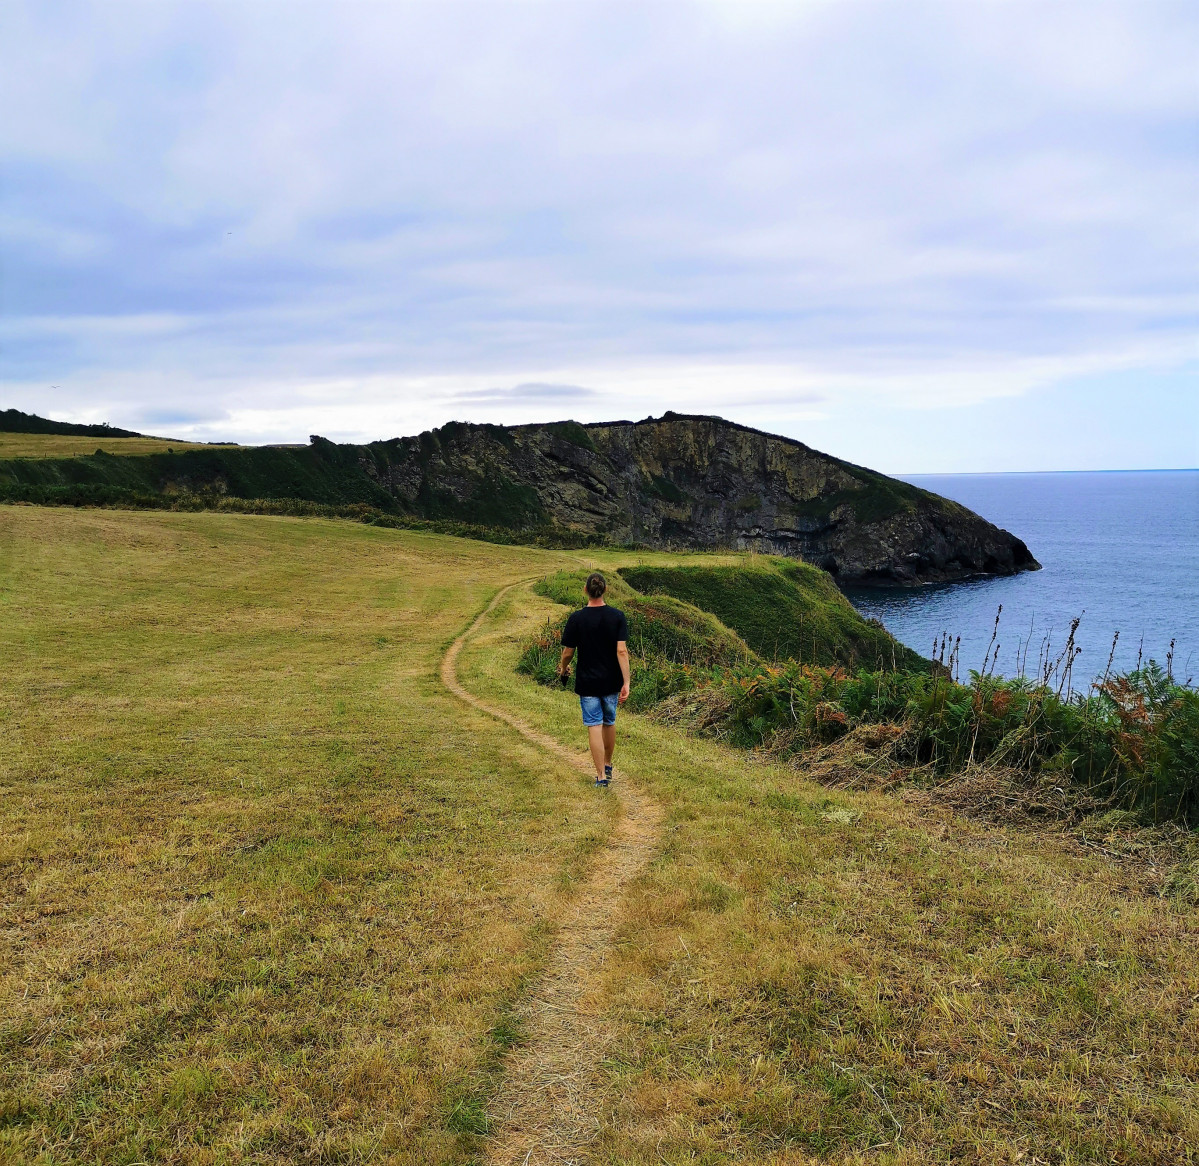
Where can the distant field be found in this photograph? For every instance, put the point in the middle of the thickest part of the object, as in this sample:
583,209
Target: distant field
55,445
268,893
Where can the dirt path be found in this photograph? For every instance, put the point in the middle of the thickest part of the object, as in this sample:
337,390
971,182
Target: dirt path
544,1112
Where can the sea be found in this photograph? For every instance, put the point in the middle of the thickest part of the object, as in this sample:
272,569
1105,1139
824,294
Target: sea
1119,552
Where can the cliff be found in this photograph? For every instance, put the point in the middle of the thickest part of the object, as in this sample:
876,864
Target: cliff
701,482
671,482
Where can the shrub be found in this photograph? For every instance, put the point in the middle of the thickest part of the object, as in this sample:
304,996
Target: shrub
1134,740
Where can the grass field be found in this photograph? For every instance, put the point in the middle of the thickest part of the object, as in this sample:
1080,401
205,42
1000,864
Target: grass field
266,887
270,893
53,445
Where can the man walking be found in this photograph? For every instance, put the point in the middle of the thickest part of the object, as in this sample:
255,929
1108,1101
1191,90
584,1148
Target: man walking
600,635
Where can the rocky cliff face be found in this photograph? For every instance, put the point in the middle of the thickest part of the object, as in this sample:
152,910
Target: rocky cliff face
694,482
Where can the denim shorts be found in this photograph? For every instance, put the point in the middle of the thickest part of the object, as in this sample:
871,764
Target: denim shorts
599,709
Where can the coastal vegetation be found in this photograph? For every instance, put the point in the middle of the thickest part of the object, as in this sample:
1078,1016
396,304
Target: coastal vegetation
1129,743
1132,744
680,645
320,473
784,610
857,972
672,643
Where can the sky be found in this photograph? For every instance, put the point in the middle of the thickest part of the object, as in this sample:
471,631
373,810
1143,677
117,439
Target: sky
925,237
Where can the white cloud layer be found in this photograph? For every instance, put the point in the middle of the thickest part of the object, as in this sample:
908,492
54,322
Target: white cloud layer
265,220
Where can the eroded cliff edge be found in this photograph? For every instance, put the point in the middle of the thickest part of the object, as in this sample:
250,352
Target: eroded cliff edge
697,482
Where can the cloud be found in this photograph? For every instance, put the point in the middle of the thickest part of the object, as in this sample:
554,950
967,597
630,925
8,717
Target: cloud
527,391
181,417
392,214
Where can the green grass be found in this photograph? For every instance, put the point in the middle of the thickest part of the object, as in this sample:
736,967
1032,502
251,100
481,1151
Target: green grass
14,421
878,497
320,472
659,625
782,609
167,475
672,644
572,432
665,489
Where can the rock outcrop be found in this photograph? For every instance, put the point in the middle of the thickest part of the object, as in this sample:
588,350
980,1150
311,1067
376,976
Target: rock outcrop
695,482
671,482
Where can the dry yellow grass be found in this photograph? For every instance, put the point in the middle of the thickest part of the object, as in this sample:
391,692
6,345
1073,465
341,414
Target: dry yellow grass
267,887
39,445
270,893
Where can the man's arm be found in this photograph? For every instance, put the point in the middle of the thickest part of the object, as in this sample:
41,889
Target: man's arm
622,658
570,641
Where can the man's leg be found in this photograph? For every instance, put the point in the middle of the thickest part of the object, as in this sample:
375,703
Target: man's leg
595,738
609,743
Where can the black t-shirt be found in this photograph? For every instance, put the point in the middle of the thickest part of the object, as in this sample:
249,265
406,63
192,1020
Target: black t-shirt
594,632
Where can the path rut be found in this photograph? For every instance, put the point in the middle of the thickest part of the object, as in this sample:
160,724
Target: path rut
544,1113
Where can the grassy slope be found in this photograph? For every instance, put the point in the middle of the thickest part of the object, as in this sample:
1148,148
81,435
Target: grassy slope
263,897
201,721
671,643
658,624
320,472
867,979
782,609
54,445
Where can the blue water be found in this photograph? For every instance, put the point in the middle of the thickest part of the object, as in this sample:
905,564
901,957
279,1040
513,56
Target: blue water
1121,550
